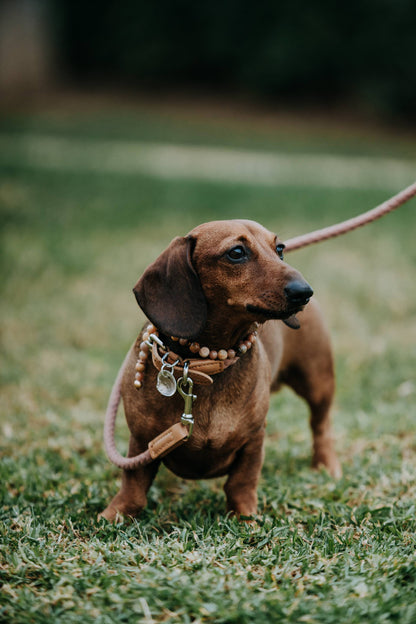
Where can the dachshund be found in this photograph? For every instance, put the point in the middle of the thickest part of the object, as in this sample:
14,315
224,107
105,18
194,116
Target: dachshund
231,315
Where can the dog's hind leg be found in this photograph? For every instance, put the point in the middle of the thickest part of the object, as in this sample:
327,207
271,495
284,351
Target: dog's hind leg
316,386
308,368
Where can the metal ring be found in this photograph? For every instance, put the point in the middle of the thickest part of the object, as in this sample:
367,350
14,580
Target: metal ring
188,421
166,365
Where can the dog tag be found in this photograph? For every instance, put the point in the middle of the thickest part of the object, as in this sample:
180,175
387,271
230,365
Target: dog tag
166,383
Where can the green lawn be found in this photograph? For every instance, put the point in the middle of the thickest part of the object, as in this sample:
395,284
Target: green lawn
72,246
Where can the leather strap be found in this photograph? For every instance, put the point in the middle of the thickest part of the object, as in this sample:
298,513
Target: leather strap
170,439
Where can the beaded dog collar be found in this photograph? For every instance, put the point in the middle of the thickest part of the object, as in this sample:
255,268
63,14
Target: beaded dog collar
209,362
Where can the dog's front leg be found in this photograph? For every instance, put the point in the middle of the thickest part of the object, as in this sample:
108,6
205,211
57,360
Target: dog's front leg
241,485
131,498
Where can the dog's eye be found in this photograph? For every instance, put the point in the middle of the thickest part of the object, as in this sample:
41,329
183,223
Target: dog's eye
237,254
279,250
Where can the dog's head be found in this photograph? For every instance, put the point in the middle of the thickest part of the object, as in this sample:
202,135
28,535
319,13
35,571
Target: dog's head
233,265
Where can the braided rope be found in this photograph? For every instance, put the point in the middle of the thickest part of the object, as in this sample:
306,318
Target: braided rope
352,224
128,463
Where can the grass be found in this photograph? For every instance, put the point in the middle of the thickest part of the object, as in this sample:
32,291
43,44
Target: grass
321,551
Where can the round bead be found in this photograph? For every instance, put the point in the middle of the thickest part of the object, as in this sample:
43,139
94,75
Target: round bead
140,367
144,346
146,336
174,338
183,341
231,354
151,329
222,354
213,355
242,348
247,343
143,356
204,352
253,337
194,347
139,376
137,383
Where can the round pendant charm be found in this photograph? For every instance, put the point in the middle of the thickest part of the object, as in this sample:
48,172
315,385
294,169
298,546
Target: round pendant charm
166,383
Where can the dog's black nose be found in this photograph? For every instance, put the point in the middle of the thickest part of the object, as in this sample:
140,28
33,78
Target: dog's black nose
298,292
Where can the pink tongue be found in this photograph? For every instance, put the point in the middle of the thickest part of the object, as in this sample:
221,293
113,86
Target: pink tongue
292,322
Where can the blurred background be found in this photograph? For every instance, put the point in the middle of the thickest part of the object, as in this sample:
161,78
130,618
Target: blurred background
358,56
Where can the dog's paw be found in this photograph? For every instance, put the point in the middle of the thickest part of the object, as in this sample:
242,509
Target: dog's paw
250,521
112,515
330,464
336,470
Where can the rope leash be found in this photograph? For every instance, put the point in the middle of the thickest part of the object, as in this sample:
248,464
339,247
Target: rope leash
352,224
298,242
128,463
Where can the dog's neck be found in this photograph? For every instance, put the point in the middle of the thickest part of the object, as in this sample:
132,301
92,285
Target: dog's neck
220,335
215,340
226,327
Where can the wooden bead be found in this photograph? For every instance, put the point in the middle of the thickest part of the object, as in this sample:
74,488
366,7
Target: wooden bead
139,376
140,367
144,346
222,354
146,336
194,347
183,342
204,352
213,355
143,356
231,354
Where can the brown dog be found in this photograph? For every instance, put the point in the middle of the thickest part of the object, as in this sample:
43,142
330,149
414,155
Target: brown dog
213,287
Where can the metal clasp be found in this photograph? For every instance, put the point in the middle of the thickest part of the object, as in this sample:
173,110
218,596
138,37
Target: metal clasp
185,386
153,338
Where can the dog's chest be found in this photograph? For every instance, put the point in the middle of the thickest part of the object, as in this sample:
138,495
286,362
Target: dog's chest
223,436
209,452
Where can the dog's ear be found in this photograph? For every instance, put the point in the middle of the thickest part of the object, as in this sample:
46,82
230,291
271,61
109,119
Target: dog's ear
170,293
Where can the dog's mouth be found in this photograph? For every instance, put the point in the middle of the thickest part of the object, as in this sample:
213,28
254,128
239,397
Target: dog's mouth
288,316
